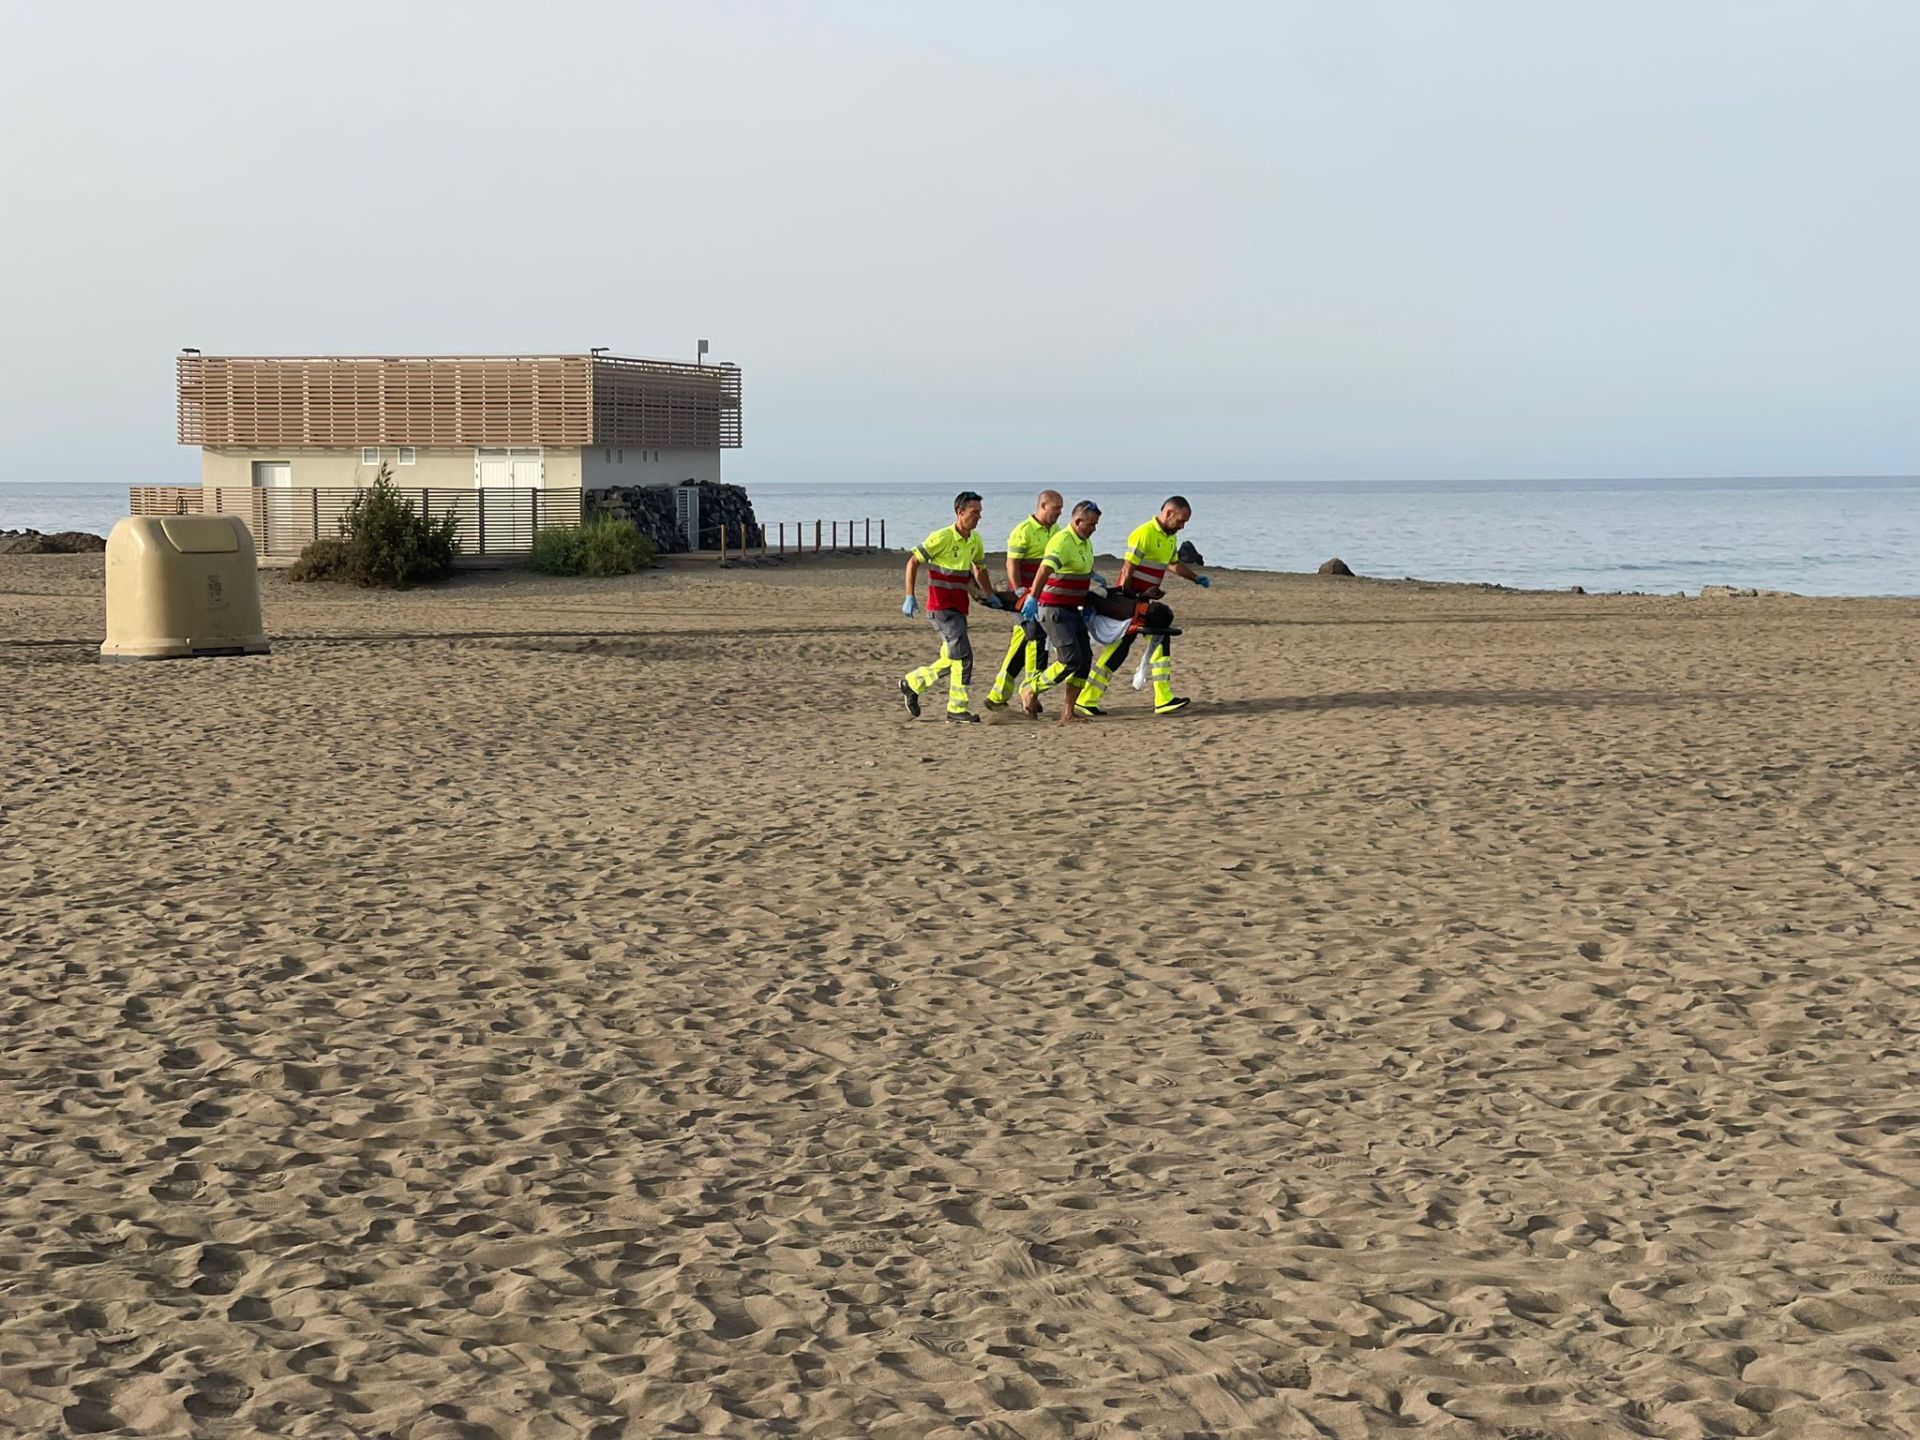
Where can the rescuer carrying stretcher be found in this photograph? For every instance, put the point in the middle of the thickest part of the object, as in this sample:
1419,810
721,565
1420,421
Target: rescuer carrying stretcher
1073,629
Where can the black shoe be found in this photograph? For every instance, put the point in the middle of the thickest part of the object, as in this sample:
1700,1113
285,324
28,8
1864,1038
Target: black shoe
994,707
1089,709
963,717
1173,706
912,700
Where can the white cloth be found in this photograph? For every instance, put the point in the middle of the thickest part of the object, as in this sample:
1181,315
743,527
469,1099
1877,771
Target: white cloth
1104,629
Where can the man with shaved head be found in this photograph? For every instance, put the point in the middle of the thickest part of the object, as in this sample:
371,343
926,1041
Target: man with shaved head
1027,651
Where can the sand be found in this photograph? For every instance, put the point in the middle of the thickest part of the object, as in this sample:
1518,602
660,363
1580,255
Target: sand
541,1008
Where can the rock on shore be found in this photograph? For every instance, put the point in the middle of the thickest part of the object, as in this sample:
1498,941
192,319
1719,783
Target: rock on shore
61,542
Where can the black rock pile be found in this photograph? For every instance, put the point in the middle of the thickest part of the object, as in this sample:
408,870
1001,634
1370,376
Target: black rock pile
651,508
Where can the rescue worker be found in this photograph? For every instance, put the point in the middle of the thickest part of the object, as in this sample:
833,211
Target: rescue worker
956,561
1057,599
1026,546
1152,550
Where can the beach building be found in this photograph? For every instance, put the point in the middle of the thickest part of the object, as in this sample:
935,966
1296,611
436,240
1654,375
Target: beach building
508,442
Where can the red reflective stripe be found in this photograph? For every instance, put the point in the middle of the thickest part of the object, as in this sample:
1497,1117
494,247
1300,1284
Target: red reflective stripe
1145,577
1025,570
947,589
1065,589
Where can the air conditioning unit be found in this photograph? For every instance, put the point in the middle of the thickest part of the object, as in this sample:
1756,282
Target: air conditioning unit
686,512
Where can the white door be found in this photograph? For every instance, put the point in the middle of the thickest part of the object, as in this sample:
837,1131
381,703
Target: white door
505,518
275,513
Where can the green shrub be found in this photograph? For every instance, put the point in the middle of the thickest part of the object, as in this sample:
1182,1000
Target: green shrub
390,544
321,560
560,550
615,547
601,547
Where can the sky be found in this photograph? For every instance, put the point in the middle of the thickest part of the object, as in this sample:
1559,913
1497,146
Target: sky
1293,240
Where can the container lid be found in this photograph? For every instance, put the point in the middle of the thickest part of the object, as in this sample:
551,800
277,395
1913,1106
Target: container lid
200,534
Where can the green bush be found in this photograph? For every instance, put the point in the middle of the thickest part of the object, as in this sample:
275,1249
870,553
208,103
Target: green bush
602,547
560,550
321,560
390,544
615,547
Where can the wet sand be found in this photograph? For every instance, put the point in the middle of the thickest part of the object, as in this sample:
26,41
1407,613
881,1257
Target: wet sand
539,1008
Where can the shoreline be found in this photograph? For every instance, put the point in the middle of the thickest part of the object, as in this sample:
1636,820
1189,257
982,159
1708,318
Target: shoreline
878,560
1792,537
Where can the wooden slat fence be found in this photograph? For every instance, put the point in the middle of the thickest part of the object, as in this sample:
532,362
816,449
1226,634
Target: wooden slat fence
492,523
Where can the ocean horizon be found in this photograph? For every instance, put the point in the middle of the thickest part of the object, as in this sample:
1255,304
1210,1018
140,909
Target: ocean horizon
1815,535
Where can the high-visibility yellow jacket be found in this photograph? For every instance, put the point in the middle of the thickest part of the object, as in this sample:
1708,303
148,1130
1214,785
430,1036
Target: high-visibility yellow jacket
1027,547
1070,562
950,557
1150,550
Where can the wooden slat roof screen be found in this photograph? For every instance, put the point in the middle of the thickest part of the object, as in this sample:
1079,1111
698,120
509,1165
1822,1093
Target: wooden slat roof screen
655,403
345,400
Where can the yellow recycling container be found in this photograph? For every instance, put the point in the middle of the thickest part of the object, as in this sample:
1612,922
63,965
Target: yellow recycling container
180,586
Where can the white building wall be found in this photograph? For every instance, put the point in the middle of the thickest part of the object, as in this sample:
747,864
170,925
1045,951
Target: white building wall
434,468
604,466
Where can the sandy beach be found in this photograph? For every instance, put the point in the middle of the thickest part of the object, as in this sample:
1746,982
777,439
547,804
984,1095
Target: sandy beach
539,1008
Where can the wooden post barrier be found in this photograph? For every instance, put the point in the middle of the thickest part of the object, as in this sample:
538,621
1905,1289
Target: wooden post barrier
883,532
869,532
816,537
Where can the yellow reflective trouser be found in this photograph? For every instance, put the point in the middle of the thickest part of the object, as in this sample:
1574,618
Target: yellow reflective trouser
1023,657
956,661
1159,668
1160,671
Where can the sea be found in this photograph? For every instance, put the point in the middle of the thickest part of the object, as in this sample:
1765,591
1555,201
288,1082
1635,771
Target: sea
1814,536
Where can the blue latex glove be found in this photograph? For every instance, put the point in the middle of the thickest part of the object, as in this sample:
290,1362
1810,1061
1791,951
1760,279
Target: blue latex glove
908,606
1099,580
1205,582
992,602
1031,610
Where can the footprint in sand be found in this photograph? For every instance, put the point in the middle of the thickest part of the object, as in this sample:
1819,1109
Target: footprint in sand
90,1417
1484,1017
216,1395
